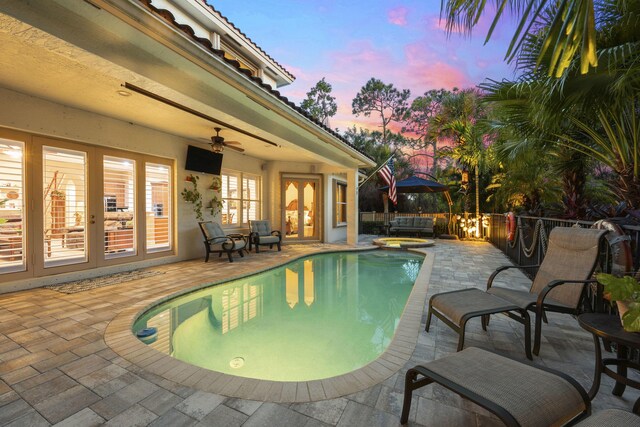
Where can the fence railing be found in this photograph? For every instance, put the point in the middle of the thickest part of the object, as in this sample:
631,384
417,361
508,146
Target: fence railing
528,248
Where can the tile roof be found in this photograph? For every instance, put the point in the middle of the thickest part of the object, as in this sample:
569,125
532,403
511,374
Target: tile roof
224,18
206,43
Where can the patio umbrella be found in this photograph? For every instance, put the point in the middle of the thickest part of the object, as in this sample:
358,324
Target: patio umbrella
413,184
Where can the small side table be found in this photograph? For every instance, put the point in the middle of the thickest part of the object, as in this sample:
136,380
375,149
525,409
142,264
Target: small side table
608,328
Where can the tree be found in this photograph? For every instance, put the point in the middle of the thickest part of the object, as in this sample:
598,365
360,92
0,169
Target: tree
572,30
461,118
372,144
319,103
580,121
390,103
420,120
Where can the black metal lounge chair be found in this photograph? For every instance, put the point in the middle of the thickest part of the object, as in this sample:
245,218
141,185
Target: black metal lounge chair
262,234
559,286
519,394
216,241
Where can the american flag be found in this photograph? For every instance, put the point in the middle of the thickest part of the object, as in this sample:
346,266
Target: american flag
386,173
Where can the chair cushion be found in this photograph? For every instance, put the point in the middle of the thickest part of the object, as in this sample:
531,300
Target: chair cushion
263,227
264,240
404,221
213,230
534,397
239,244
420,222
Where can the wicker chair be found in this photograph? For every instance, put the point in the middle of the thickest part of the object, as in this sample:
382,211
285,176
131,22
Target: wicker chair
215,240
570,261
262,234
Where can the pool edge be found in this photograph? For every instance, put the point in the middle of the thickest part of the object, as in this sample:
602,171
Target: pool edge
120,339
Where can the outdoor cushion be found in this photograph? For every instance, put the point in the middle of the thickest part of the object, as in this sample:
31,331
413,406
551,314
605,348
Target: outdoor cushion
264,240
213,230
263,228
420,222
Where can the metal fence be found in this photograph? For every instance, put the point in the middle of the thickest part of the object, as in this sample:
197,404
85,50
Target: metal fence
526,251
527,248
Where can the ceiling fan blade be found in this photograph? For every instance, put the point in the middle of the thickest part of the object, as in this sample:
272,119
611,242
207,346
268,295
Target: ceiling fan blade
238,149
233,142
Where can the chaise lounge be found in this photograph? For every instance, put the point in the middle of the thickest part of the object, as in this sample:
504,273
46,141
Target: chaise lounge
519,394
559,286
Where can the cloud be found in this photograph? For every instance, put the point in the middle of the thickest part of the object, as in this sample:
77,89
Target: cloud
398,16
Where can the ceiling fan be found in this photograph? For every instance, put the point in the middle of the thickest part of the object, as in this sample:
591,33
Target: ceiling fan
218,143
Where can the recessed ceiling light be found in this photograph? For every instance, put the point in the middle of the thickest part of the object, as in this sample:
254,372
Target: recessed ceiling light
123,93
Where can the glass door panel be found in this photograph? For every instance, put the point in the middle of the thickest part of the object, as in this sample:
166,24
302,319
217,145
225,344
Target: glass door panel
119,207
12,238
309,208
64,206
291,209
300,209
158,207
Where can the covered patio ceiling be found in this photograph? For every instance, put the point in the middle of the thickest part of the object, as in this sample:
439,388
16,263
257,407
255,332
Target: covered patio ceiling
107,52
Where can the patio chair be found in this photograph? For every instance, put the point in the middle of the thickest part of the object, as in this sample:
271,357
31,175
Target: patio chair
519,394
215,240
262,234
559,286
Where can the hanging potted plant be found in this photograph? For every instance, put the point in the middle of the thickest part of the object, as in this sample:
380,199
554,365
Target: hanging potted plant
215,205
625,292
193,196
216,184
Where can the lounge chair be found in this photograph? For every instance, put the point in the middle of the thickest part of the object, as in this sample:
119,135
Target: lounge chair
520,394
215,240
570,260
262,234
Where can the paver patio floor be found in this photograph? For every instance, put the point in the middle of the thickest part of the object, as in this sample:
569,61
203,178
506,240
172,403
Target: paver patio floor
55,367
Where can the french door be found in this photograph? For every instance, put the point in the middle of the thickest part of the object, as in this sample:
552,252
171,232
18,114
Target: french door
300,210
68,206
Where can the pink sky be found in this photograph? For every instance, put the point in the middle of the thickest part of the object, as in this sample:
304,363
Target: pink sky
347,43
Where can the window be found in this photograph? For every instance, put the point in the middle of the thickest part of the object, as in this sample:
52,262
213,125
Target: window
340,205
240,198
158,206
119,206
12,257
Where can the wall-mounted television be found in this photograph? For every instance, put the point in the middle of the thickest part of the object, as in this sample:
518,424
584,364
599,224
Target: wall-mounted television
201,160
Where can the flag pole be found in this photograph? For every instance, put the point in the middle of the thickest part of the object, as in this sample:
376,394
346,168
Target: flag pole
376,171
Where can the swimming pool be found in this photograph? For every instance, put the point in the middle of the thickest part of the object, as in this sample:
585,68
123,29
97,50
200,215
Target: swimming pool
313,318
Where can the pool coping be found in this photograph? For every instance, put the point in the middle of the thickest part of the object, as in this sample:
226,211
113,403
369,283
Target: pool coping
120,339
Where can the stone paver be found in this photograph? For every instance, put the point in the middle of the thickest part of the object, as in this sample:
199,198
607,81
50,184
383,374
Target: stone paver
56,368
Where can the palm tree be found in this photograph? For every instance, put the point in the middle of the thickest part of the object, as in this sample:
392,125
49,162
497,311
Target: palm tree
540,110
461,118
569,35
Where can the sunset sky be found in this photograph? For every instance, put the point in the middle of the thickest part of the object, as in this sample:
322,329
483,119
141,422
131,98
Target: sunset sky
350,41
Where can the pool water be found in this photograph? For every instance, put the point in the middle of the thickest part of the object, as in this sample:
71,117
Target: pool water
313,318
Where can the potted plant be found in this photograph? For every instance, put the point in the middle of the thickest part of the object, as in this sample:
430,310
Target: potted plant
215,205
216,184
625,291
193,196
